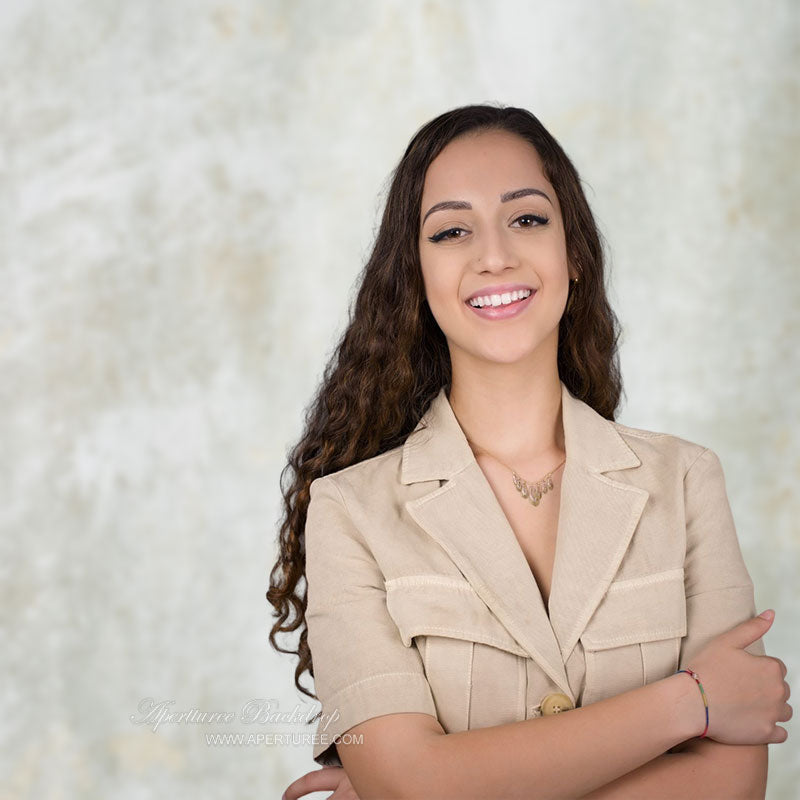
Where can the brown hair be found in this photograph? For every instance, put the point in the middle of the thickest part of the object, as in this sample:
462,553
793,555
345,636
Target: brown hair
392,358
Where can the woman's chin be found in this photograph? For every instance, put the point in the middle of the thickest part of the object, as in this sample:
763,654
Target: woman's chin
503,354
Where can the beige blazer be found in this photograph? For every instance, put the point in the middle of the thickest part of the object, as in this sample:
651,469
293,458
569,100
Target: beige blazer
421,599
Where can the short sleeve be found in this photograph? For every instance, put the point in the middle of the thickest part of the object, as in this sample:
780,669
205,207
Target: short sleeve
719,590
362,669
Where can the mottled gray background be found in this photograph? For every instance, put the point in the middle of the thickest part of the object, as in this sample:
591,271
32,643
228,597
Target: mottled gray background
188,190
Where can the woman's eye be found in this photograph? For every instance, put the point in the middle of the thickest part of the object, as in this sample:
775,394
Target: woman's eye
533,220
538,219
445,235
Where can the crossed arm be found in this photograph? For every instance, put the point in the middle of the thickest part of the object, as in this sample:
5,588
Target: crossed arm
702,769
699,768
621,747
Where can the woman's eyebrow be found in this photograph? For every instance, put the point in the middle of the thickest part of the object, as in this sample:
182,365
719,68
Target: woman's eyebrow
460,205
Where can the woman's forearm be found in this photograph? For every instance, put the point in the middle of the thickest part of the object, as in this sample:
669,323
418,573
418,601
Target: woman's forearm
566,755
704,770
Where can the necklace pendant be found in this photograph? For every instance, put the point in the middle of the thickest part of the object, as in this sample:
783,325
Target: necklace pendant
533,491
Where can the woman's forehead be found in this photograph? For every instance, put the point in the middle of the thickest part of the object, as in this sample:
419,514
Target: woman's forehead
490,163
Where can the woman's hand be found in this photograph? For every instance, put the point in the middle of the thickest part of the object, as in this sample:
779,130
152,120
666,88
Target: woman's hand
321,780
747,694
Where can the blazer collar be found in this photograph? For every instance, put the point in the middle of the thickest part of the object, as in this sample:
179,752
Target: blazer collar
597,518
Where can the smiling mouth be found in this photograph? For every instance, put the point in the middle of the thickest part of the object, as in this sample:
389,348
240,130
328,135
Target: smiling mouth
499,300
510,309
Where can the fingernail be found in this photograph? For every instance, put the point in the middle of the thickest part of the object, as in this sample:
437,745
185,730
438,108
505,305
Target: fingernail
768,614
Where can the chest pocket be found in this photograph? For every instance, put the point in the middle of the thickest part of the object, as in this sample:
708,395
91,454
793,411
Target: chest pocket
634,635
475,668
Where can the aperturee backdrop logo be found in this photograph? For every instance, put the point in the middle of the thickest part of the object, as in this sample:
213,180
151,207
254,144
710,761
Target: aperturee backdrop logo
154,714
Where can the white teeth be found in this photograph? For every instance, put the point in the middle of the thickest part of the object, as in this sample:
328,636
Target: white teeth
499,299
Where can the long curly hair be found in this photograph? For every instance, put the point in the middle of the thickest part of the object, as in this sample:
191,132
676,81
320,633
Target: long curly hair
392,358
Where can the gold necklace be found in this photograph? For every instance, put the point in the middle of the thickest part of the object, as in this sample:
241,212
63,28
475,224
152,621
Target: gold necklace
530,491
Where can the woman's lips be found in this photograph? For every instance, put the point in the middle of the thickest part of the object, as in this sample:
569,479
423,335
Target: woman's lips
503,312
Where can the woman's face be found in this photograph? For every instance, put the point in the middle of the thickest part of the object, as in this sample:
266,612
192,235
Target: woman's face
489,240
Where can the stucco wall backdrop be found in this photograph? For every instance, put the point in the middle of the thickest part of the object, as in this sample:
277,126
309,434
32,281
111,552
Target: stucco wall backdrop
188,190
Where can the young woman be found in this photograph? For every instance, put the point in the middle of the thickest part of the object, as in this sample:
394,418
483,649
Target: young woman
501,581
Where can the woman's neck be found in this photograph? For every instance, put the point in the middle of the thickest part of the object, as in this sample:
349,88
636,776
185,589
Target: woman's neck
518,423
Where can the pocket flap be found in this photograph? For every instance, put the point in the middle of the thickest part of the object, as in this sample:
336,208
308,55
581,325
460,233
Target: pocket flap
438,605
641,609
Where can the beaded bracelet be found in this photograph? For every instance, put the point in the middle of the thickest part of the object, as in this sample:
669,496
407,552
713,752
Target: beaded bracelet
694,675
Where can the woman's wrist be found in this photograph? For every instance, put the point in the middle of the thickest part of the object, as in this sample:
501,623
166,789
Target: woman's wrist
689,712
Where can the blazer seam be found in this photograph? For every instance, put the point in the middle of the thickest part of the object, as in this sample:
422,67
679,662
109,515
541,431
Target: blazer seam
341,497
349,513
721,589
666,576
639,433
444,581
333,604
373,678
445,487
351,467
686,474
470,636
604,642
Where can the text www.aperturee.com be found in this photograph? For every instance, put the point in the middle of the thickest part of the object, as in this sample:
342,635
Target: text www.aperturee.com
278,739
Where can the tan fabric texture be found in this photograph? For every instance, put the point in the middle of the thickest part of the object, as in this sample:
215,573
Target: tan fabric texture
420,597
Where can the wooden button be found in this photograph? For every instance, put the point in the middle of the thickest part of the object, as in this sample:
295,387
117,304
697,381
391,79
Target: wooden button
556,703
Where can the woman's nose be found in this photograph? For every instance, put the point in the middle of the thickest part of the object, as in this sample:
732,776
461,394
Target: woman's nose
494,250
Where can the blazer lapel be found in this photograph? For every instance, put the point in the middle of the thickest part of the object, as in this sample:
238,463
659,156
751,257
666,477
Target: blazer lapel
597,518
